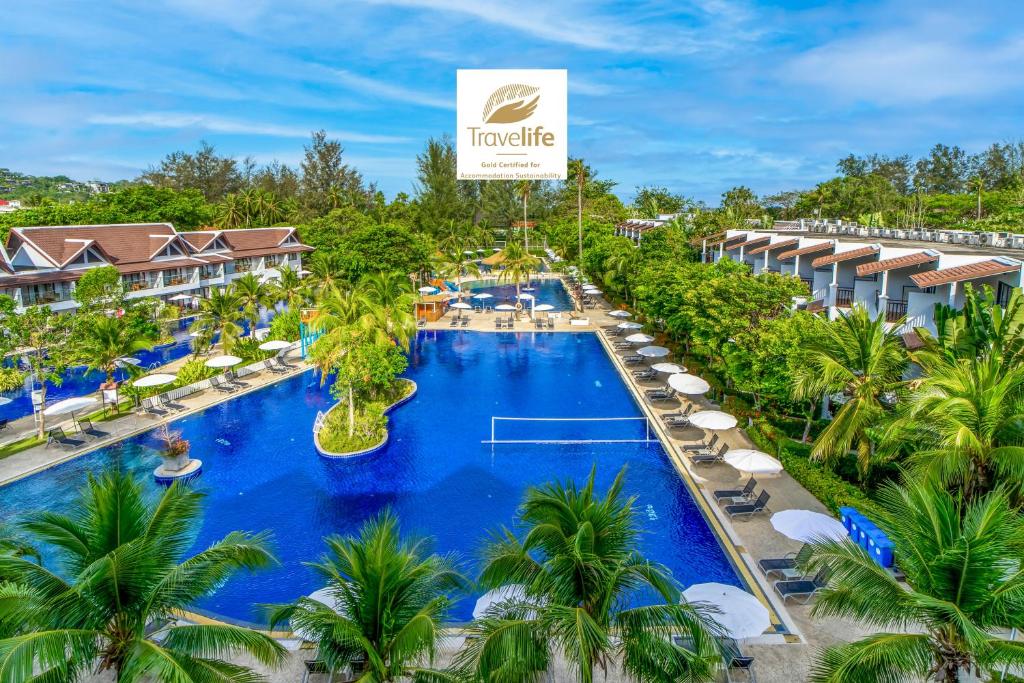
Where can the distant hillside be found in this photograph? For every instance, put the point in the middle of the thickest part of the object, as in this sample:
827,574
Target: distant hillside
14,185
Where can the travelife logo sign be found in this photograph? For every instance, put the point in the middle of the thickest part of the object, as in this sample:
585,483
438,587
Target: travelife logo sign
512,124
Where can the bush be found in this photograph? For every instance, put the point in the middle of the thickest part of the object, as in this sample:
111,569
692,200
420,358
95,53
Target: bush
248,348
831,489
193,371
11,379
285,326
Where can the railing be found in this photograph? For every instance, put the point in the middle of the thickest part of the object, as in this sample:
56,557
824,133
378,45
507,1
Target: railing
46,298
895,310
176,280
844,297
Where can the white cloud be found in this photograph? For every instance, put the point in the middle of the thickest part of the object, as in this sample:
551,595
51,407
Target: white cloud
913,64
221,125
390,91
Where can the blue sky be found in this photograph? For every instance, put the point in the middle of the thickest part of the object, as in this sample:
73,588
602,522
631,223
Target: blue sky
697,96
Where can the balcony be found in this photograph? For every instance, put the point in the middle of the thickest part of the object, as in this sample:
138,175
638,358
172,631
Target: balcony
895,310
31,298
844,297
243,266
175,280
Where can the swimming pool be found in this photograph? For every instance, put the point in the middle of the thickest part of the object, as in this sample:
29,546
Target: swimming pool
261,470
547,291
77,382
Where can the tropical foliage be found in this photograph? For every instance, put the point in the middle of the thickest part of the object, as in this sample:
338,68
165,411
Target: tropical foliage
112,602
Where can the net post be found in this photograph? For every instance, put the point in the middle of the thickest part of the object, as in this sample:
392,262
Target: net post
492,429
647,428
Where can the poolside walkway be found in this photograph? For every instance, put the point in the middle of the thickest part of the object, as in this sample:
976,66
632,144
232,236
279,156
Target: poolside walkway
130,423
777,660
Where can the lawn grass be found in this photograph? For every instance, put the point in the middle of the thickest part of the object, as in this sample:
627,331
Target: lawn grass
102,415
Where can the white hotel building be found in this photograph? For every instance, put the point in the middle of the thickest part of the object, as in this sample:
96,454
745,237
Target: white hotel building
902,278
40,265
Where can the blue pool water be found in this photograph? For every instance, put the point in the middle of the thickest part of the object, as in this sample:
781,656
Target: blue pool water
78,382
546,292
262,472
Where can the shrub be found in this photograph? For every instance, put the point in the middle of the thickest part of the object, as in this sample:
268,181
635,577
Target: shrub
831,489
285,326
193,371
11,379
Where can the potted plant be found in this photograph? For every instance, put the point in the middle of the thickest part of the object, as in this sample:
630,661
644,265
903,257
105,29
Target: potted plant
175,450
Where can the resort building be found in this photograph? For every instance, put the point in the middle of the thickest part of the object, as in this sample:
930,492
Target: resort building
902,278
634,228
40,265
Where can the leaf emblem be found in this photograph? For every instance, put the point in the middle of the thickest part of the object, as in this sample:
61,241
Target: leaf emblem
511,103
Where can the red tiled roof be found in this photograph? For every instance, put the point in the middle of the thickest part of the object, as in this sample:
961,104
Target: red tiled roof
214,258
120,243
199,240
844,256
784,244
735,241
34,278
970,271
906,261
252,253
812,249
755,240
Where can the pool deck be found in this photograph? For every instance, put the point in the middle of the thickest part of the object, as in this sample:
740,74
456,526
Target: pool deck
779,658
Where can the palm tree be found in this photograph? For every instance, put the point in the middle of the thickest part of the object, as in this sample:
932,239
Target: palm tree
454,263
220,313
578,563
230,212
325,269
620,265
390,297
104,341
980,327
961,425
254,295
109,603
964,582
518,264
857,357
390,601
290,289
581,181
523,189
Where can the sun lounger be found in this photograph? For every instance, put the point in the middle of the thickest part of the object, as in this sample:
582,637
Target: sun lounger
737,663
464,322
702,446
279,359
454,322
56,435
150,407
421,322
218,383
551,323
633,359
660,394
4,424
748,510
709,457
644,374
787,567
802,588
85,426
679,414
166,402
498,324
275,368
731,495
232,379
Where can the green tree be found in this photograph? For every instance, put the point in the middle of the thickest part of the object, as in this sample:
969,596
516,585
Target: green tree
100,289
327,182
389,301
963,583
46,341
121,577
215,176
455,261
437,189
100,341
390,599
387,248
220,313
578,561
290,288
858,357
253,295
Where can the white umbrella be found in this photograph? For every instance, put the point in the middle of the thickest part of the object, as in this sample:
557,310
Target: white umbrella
323,596
688,384
483,295
739,613
461,306
274,345
154,380
305,272
181,297
121,362
495,249
504,307
525,297
223,361
69,405
620,314
4,400
512,591
270,274
629,326
543,307
668,368
591,291
427,290
807,525
711,419
639,338
652,352
750,461
469,253
529,289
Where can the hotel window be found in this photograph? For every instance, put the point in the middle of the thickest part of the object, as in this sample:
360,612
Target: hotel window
1003,294
243,265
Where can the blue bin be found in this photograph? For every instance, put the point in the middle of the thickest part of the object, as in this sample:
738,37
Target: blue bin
865,529
846,516
882,551
856,522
